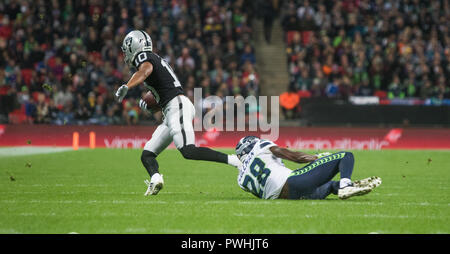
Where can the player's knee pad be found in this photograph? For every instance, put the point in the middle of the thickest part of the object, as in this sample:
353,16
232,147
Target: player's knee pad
188,152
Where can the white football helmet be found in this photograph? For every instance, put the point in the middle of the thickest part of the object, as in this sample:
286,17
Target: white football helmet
135,42
245,146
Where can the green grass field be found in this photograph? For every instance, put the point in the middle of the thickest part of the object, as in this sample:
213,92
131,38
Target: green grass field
101,191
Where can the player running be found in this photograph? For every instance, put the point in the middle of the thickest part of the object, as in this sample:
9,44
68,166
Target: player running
263,173
177,109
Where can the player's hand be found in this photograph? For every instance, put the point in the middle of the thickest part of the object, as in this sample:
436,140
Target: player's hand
320,155
143,106
121,92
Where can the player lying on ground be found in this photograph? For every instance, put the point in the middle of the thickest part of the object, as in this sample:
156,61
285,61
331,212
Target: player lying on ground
263,173
177,109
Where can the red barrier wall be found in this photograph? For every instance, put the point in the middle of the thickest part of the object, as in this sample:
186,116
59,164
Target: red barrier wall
294,137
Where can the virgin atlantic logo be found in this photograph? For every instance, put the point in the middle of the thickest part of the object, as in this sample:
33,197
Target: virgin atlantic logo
393,135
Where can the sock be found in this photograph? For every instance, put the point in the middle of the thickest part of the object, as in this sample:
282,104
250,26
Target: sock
191,152
344,182
148,159
155,175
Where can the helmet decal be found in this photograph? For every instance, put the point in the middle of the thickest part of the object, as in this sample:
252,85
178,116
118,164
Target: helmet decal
128,42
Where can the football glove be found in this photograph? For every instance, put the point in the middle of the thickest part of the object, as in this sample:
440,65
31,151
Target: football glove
121,92
320,155
143,106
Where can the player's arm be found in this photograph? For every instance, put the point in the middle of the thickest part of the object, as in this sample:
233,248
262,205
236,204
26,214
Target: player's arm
145,69
299,157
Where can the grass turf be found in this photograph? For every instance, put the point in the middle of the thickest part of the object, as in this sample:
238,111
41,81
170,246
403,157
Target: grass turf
101,191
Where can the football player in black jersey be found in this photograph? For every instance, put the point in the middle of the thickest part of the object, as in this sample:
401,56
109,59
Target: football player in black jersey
178,110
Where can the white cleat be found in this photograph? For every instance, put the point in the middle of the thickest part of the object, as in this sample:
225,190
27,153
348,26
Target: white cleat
154,185
371,182
350,191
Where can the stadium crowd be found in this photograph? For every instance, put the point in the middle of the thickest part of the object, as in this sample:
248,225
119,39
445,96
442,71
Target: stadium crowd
60,60
390,49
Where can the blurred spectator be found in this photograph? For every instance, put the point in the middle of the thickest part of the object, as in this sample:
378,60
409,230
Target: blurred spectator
69,53
269,9
398,48
289,101
248,55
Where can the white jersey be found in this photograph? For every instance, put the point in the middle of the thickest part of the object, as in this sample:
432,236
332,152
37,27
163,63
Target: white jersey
262,173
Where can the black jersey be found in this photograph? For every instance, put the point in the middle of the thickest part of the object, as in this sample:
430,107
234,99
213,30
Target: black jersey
162,81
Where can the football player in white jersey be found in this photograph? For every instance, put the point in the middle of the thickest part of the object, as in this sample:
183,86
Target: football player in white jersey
177,109
264,175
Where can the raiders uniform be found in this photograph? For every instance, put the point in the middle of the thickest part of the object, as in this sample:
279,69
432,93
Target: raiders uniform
262,173
162,82
178,111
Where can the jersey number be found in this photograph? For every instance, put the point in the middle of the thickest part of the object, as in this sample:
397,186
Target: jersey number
140,58
143,56
176,83
259,173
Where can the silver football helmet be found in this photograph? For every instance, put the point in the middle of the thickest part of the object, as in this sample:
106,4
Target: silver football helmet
135,42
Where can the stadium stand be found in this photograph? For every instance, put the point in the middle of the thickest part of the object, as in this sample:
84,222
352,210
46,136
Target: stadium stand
395,49
61,60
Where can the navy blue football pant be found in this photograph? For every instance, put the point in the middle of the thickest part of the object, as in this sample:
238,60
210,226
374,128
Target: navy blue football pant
314,180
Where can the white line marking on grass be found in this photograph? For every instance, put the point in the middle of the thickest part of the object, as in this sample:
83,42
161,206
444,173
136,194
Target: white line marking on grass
271,216
9,231
387,216
30,150
172,231
136,230
156,202
91,185
146,202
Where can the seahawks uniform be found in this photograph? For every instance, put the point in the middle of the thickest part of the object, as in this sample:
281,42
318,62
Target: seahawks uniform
262,173
178,111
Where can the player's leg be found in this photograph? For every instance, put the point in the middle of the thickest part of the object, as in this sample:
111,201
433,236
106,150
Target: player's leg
305,181
321,192
160,140
180,117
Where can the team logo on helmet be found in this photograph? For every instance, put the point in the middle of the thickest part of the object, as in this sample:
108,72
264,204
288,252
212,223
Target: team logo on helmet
128,42
135,42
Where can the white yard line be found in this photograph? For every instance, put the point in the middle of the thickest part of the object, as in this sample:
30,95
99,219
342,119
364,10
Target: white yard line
30,150
34,201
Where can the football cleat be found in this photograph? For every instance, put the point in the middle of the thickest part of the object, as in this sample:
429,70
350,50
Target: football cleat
154,185
351,191
371,182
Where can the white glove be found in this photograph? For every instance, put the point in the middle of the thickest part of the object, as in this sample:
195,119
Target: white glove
320,155
233,160
143,106
121,92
